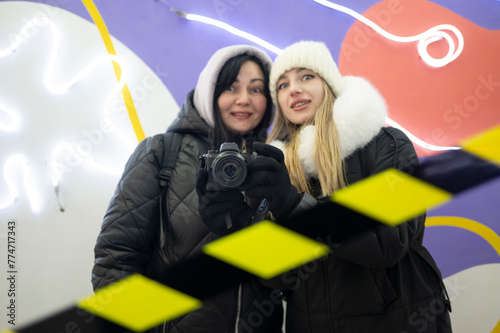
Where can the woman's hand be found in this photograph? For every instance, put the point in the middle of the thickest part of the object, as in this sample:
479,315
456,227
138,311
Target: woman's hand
268,178
221,211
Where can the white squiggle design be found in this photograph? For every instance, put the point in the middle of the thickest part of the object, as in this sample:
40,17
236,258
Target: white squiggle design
15,119
74,158
26,33
424,39
104,168
228,28
29,181
277,50
416,140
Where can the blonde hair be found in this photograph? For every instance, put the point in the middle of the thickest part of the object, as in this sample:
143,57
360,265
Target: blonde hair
328,160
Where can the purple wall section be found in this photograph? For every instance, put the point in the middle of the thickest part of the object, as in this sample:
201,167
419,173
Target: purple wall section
177,50
456,249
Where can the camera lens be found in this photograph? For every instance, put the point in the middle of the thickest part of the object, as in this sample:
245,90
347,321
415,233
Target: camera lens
229,170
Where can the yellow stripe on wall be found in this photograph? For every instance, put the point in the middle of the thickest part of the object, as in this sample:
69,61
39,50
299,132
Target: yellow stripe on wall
485,232
127,98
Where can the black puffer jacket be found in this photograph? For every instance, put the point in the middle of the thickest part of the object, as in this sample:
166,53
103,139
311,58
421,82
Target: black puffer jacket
383,281
128,242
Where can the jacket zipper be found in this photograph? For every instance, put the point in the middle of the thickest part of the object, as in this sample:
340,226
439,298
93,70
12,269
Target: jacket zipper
238,312
240,289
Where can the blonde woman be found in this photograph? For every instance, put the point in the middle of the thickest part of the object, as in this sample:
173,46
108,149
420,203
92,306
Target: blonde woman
331,130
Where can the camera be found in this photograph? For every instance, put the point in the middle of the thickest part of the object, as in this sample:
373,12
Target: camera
227,167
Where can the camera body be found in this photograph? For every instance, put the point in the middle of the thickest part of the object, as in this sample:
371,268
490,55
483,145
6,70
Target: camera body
227,167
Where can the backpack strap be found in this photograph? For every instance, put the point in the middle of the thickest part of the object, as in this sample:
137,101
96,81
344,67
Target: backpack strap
171,145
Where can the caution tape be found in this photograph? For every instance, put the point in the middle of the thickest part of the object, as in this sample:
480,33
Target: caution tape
138,303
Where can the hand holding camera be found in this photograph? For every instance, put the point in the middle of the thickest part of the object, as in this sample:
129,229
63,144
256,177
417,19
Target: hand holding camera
227,172
268,178
222,212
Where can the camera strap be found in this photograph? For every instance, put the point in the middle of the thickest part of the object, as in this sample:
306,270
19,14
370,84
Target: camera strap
229,222
261,212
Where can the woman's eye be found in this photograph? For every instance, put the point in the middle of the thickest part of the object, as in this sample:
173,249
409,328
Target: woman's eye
282,86
230,88
257,90
307,77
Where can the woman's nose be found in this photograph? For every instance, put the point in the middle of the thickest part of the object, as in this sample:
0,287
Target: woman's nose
242,97
295,87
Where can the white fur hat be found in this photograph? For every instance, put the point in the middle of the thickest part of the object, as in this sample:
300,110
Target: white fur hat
204,92
311,55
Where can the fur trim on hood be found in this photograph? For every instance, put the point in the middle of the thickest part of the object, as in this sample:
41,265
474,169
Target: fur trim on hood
359,113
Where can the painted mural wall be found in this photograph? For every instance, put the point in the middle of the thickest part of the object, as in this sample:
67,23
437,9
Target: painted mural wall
71,112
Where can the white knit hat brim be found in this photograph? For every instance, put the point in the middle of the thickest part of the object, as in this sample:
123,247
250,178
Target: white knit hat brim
204,91
306,54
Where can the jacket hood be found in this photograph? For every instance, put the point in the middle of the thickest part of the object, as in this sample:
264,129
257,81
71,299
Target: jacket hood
359,113
204,92
188,119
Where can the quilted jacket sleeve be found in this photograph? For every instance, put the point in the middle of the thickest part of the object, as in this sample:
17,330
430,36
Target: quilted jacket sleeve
385,246
131,222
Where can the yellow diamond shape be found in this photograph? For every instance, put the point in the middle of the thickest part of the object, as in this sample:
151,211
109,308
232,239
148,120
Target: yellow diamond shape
391,197
139,303
266,249
485,145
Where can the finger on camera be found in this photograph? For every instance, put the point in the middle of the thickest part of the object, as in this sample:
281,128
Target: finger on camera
220,208
258,178
268,150
263,163
214,197
258,192
225,196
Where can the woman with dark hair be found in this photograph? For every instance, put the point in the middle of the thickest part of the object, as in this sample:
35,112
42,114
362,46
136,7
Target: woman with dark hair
227,76
231,103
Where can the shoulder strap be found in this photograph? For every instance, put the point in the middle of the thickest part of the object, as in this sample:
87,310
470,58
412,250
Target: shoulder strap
171,145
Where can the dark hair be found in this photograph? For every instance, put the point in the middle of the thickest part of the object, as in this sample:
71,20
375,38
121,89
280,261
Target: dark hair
227,75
